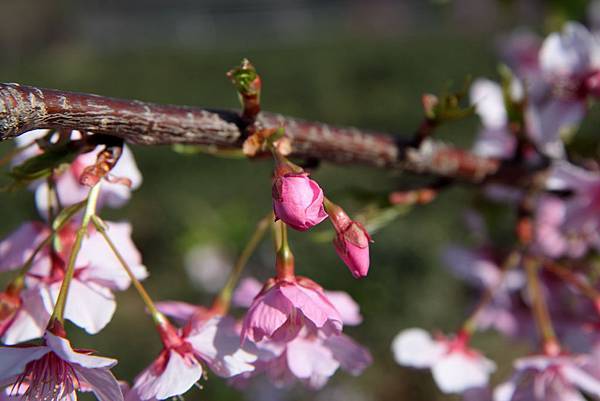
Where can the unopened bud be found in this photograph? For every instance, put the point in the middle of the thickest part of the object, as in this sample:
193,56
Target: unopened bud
298,201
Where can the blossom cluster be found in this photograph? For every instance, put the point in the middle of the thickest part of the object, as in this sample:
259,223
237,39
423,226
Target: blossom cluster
544,283
69,263
541,289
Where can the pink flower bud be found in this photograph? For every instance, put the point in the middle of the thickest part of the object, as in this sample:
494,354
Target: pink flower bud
298,201
352,246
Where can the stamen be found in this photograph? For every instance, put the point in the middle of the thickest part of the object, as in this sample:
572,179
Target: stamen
48,378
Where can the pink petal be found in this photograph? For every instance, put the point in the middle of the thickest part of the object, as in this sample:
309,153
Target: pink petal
488,99
310,360
218,343
246,291
505,391
19,245
30,136
68,188
547,122
416,348
278,372
496,143
457,372
179,311
30,321
62,347
89,305
267,314
26,139
567,53
353,357
314,305
478,394
566,176
580,378
15,359
346,306
102,382
471,266
102,266
177,378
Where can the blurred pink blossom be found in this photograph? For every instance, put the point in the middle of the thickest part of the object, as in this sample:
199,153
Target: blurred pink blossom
547,378
455,366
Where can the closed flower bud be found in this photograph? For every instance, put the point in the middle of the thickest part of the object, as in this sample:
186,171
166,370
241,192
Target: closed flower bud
298,201
351,241
352,246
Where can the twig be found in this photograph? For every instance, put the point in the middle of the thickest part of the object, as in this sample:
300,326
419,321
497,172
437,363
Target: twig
23,108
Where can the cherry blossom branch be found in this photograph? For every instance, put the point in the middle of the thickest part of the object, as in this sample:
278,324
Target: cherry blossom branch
23,108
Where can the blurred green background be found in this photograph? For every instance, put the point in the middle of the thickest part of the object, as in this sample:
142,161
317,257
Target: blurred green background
344,62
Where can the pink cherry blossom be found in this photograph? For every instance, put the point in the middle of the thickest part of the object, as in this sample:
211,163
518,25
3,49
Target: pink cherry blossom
580,214
310,358
347,307
550,378
214,336
54,371
98,272
70,191
569,64
495,138
480,269
214,341
571,53
298,201
455,366
285,306
552,235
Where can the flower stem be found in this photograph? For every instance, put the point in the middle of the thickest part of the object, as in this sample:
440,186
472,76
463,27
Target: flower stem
511,261
284,259
223,299
571,278
540,308
61,301
157,316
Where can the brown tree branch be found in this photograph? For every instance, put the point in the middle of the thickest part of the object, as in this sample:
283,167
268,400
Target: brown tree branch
23,108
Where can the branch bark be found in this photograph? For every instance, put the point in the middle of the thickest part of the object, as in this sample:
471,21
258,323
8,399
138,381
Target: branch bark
23,108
